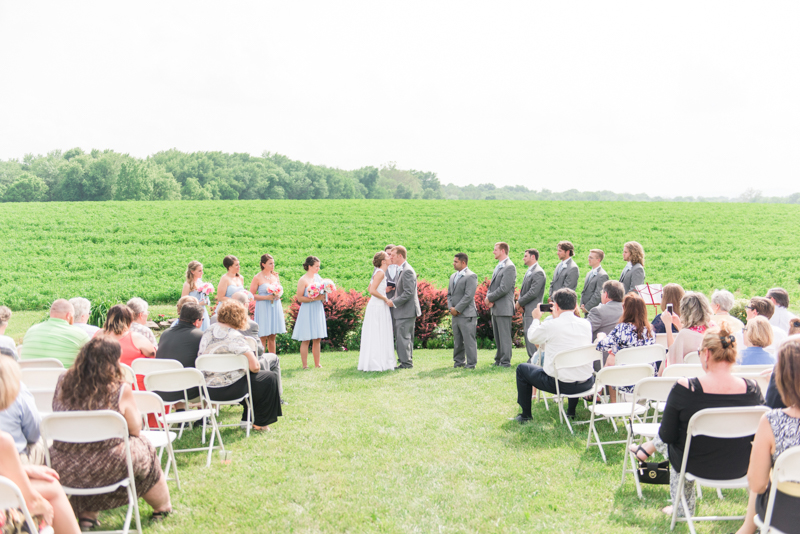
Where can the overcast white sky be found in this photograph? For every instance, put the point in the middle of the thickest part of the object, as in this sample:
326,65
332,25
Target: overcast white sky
666,98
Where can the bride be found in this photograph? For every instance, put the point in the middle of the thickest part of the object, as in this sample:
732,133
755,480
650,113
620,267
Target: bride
377,337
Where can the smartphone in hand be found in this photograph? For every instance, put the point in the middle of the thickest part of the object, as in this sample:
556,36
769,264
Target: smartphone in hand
545,308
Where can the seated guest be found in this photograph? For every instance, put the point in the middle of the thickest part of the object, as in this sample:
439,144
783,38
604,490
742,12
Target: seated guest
670,294
605,317
182,343
776,433
781,316
633,330
83,309
181,302
718,388
721,303
56,337
20,418
794,326
118,327
757,335
565,331
763,306
139,325
44,496
95,382
224,337
6,341
696,318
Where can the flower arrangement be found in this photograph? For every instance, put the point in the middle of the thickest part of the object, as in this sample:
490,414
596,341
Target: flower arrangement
204,288
323,287
275,289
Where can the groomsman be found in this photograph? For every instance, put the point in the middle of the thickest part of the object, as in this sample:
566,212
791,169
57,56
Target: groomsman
531,294
593,285
461,301
500,298
567,272
405,308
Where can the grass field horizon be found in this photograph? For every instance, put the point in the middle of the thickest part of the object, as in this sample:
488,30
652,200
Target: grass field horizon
116,250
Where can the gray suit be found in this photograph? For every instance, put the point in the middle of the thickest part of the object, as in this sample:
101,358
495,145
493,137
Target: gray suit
633,278
603,319
567,277
461,296
592,287
501,293
530,296
405,312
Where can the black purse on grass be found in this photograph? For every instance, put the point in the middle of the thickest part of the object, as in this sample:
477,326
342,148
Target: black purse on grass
653,472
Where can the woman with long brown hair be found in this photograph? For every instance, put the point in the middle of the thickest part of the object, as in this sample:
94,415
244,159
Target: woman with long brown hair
633,330
95,382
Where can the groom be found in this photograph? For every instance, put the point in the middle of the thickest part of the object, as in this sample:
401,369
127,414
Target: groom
405,308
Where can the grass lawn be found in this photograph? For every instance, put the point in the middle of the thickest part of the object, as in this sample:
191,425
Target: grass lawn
424,450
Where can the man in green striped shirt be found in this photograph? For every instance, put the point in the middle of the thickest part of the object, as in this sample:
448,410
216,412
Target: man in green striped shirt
56,337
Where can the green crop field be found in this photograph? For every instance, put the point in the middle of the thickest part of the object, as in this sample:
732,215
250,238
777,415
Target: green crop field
125,249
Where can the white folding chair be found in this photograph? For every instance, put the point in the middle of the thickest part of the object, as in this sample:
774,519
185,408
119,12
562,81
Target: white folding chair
129,375
223,363
761,380
692,357
41,363
90,427
786,469
646,354
43,398
161,438
738,368
253,344
11,497
661,339
615,376
725,423
182,380
145,366
652,389
577,357
685,370
38,378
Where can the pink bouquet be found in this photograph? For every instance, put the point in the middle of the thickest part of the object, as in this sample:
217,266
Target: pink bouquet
275,289
323,287
205,288
314,290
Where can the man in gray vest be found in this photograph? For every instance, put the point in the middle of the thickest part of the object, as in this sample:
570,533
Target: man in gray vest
461,301
500,298
532,293
567,272
405,308
593,285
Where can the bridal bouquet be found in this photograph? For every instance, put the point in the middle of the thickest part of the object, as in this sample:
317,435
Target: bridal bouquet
275,289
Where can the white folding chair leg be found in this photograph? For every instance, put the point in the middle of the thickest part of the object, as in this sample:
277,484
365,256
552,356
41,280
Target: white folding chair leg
719,493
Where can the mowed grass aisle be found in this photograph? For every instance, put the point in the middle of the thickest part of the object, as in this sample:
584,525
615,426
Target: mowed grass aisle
424,450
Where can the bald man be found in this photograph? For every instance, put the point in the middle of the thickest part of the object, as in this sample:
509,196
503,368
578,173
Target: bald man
56,337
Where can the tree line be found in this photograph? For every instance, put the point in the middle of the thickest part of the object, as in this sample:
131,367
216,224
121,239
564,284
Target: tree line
75,175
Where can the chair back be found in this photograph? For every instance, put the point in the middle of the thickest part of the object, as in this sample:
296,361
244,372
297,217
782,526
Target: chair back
692,357
129,375
751,369
84,426
174,380
41,363
148,402
686,370
253,344
786,469
222,363
623,375
727,423
38,378
43,398
587,354
654,388
11,497
145,366
646,354
661,339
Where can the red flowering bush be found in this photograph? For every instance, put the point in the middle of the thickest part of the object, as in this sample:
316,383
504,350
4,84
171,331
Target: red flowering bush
433,304
484,328
344,311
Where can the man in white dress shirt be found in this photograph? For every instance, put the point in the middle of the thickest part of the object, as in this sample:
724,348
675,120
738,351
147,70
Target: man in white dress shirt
563,332
781,317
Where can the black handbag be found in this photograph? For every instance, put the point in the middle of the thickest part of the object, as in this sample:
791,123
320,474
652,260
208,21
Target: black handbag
653,472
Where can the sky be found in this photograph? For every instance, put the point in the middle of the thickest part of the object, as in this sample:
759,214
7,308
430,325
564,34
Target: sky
678,98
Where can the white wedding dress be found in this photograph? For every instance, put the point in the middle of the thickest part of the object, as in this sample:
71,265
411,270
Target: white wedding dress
377,336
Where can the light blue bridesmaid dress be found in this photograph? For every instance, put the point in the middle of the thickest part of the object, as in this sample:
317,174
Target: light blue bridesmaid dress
269,315
203,300
231,290
311,323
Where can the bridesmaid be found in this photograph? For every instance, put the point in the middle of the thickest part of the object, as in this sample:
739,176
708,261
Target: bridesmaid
310,324
269,311
231,282
194,272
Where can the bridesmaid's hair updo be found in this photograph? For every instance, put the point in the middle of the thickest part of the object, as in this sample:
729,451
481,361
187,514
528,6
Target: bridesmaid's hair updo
228,261
190,269
310,261
264,259
378,258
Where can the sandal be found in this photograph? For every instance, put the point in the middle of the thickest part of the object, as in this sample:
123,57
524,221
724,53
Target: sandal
88,524
637,451
158,517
